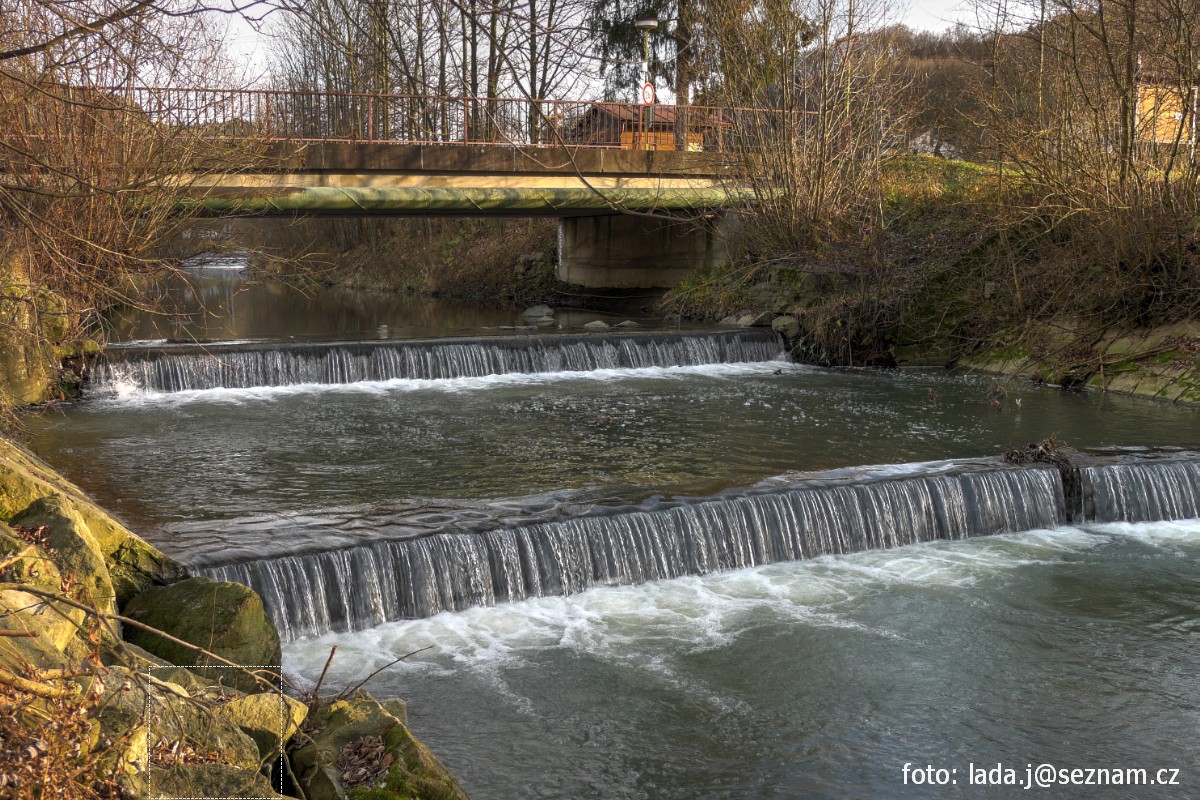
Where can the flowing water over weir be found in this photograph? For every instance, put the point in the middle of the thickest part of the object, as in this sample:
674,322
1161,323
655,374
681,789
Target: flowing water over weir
360,587
175,368
1142,492
634,530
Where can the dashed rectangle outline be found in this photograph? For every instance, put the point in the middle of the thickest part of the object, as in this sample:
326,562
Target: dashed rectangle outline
278,668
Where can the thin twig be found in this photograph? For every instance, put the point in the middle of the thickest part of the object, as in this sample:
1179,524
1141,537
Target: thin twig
316,692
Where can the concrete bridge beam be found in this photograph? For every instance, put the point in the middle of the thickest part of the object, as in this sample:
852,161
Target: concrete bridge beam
628,252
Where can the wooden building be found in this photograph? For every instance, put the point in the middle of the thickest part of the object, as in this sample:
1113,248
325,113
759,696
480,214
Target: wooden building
640,127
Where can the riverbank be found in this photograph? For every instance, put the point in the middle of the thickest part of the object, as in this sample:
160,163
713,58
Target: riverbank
120,677
41,344
948,273
508,260
1161,362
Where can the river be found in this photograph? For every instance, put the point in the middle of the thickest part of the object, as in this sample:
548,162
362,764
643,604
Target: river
585,523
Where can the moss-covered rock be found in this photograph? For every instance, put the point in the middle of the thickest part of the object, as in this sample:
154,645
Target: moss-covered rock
270,719
76,552
209,780
224,618
156,732
25,362
133,565
121,714
51,622
196,729
407,770
1159,362
25,562
21,654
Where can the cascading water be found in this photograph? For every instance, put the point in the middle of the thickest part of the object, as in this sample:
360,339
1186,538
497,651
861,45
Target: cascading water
193,367
1142,492
363,586
348,506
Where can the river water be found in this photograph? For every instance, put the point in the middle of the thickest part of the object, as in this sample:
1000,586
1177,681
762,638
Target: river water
673,660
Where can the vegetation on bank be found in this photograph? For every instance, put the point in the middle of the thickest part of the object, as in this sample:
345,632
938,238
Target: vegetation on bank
1082,228
91,175
497,260
859,297
957,271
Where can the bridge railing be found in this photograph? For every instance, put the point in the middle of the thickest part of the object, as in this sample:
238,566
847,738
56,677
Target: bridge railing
317,116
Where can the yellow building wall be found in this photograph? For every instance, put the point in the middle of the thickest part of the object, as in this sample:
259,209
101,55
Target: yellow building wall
658,140
1160,112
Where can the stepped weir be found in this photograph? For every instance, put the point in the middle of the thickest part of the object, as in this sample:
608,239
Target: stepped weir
407,573
178,368
359,587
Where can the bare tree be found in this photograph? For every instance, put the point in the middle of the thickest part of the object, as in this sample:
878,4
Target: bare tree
814,92
91,169
477,51
1092,105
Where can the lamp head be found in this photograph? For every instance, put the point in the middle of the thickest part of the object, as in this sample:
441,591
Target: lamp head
646,23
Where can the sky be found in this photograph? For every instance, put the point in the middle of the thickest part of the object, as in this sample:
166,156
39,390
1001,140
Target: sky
249,47
936,15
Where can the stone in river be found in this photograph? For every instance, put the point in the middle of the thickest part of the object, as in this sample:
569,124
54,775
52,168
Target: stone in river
537,312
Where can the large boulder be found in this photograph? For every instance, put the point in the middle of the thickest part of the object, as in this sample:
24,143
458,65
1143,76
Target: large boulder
210,780
762,319
53,623
26,357
163,742
357,745
788,326
54,634
538,312
23,561
74,550
269,718
133,564
224,618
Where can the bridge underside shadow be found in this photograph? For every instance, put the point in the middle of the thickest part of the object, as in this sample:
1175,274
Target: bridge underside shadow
638,251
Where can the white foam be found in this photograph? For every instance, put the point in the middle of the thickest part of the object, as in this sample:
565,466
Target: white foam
126,392
212,262
700,613
1161,534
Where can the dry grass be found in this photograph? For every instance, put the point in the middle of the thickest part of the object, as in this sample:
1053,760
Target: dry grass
47,748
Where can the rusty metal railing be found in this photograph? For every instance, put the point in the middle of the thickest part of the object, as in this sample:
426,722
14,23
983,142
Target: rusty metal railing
318,116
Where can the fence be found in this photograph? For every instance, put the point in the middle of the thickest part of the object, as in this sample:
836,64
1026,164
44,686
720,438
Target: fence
311,116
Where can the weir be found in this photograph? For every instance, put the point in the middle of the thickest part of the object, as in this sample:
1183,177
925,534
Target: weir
359,587
177,368
1142,492
362,586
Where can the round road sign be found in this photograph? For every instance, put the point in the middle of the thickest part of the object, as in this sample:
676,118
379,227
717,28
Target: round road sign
648,94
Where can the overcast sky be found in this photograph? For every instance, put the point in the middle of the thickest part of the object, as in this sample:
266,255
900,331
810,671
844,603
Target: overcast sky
248,47
936,15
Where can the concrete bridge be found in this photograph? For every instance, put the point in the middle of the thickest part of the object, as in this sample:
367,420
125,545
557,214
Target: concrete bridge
640,191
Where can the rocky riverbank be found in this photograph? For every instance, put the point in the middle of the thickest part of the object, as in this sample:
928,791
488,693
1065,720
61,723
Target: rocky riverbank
1162,361
40,351
120,678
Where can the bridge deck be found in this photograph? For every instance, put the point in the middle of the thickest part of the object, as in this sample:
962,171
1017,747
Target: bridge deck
315,152
346,178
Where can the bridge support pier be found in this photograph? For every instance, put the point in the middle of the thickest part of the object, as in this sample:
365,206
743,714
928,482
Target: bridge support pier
626,252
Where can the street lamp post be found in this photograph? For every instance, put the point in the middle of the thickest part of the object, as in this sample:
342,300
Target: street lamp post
646,24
